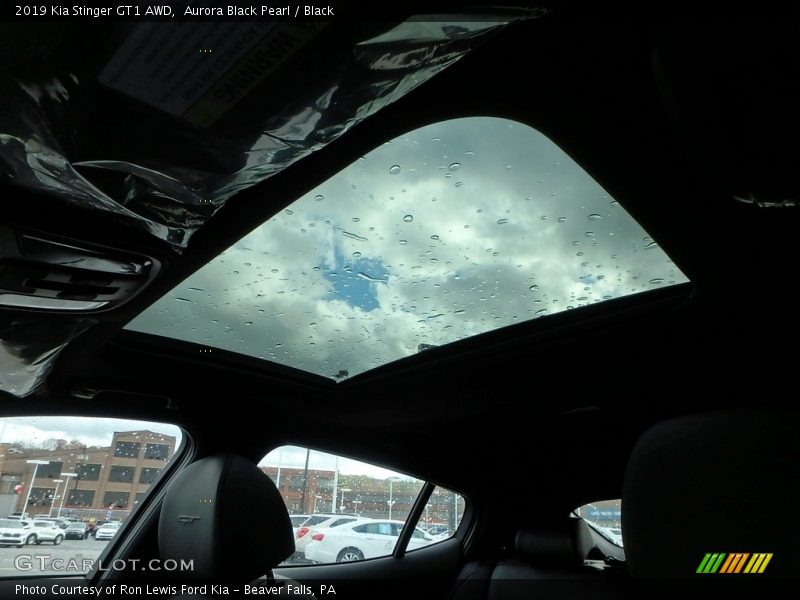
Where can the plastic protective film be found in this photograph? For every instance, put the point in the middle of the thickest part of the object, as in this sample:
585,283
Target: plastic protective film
161,123
29,347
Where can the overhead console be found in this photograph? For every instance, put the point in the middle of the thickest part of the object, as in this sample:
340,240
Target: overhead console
42,272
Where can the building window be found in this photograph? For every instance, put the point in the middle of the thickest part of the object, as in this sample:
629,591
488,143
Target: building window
121,474
9,482
127,449
116,499
80,498
51,470
41,496
89,472
138,499
296,482
148,475
156,451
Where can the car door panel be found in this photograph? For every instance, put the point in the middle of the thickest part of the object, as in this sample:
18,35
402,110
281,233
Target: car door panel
436,564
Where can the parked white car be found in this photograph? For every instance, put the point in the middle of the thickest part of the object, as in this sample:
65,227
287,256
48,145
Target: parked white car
365,538
612,534
316,522
297,521
58,522
107,531
16,532
47,531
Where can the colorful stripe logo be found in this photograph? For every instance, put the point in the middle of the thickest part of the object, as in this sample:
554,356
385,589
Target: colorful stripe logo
737,562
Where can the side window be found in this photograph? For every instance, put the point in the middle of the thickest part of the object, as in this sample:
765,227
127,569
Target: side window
387,529
605,517
77,468
357,509
338,522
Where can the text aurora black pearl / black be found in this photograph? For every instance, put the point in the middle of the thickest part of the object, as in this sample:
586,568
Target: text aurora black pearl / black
258,11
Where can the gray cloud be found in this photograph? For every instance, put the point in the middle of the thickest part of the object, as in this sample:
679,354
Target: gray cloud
482,223
294,457
92,431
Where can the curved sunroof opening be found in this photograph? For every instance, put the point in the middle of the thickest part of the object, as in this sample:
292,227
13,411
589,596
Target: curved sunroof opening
446,232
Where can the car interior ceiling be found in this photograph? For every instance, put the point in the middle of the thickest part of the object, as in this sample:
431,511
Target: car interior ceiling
675,119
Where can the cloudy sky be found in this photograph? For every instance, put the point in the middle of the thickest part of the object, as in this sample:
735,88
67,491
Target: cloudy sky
98,432
294,457
89,430
452,230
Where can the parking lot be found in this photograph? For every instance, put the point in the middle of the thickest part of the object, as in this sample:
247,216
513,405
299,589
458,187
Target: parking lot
70,555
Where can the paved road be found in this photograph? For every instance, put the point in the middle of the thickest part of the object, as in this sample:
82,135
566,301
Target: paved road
72,552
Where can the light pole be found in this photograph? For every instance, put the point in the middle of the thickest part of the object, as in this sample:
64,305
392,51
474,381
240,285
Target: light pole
391,500
55,495
341,507
66,487
278,477
335,485
36,464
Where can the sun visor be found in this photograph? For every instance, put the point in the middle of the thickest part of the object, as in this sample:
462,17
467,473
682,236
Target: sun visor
161,123
29,347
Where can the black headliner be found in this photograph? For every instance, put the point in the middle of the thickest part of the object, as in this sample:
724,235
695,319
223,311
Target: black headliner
559,401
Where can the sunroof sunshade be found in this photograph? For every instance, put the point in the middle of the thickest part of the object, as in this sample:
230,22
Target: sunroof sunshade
452,230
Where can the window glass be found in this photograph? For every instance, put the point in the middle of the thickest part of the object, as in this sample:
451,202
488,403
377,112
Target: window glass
443,233
56,467
357,510
298,520
156,451
80,498
119,473
149,474
127,449
605,517
89,472
116,499
52,470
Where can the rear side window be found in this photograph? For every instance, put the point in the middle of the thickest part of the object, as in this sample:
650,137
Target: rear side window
605,517
88,469
338,522
358,509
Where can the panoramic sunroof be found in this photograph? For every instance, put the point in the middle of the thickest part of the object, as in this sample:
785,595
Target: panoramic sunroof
452,230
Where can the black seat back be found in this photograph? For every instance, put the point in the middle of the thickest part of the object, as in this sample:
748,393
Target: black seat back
203,520
721,483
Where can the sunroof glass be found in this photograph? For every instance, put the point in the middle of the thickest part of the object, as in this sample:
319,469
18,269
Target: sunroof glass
452,230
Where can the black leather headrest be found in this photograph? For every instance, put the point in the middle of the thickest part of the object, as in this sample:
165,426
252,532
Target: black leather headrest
227,516
722,482
566,543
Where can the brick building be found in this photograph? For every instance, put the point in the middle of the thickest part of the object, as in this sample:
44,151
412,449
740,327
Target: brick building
115,476
358,494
